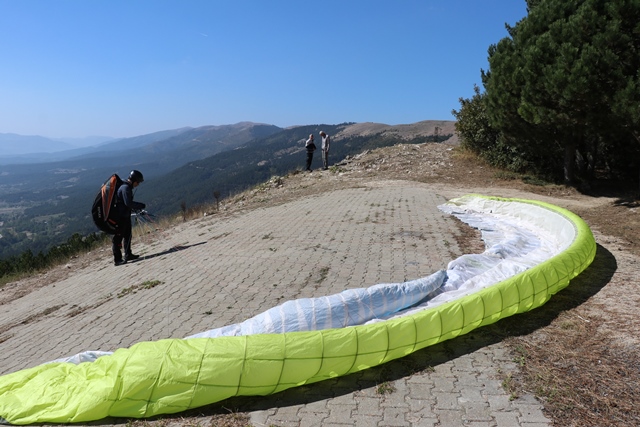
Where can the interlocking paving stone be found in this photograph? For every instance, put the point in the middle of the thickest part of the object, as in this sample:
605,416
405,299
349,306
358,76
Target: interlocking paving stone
215,271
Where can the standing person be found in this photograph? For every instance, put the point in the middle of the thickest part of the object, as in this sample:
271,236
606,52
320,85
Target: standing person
124,205
311,147
326,141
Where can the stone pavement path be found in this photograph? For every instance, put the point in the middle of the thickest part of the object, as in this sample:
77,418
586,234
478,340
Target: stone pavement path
215,271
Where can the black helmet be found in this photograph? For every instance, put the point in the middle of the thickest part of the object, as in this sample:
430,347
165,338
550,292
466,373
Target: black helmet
136,176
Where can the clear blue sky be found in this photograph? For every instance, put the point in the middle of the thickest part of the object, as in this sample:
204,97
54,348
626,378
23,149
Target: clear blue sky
75,68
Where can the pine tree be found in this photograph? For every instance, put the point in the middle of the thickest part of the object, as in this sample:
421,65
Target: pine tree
566,78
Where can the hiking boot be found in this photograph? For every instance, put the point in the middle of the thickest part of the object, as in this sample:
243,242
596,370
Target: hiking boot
119,262
131,257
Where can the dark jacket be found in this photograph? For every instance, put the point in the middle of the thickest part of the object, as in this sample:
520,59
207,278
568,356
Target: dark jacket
310,146
125,203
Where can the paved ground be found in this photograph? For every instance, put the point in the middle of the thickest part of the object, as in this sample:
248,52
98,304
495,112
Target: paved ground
212,272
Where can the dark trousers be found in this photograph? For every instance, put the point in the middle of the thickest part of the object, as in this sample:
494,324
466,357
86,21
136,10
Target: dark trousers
123,237
309,159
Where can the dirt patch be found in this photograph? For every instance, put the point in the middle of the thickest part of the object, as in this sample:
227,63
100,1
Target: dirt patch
34,317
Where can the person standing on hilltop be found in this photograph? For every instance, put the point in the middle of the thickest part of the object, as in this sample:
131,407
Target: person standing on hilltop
124,205
311,147
326,141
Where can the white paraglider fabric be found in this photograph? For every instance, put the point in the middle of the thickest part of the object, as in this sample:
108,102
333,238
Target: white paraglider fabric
517,236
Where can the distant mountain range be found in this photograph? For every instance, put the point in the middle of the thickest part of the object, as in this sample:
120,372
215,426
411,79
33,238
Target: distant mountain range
13,146
43,203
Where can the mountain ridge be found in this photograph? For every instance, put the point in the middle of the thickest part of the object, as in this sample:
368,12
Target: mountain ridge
45,203
13,144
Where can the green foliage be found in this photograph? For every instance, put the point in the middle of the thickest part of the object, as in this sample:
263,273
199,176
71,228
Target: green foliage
563,83
385,388
478,135
27,262
472,124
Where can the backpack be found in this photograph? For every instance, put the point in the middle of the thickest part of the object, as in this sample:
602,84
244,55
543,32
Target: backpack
103,210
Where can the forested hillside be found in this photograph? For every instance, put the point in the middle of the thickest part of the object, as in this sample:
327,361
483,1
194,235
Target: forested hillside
45,205
236,170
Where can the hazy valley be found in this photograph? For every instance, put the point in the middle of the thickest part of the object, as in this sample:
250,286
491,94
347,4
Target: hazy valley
43,203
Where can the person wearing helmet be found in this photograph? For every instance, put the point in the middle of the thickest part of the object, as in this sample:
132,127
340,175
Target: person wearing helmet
125,205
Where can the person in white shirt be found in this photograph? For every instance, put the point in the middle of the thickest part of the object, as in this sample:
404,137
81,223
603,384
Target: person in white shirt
325,149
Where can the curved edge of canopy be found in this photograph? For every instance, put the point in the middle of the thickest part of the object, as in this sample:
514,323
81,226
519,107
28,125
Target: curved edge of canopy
170,376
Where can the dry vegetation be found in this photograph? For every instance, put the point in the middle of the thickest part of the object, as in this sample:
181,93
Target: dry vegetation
579,354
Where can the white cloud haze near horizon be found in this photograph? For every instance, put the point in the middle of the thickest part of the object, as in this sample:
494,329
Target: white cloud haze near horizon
120,68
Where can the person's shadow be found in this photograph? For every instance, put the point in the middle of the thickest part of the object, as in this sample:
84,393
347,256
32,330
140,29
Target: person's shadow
171,250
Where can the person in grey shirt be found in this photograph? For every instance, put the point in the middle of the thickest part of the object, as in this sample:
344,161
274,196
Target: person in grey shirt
326,141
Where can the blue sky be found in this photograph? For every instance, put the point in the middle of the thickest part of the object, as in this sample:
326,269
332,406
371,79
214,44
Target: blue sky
119,68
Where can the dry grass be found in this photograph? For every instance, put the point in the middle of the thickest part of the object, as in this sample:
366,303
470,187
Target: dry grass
234,419
582,377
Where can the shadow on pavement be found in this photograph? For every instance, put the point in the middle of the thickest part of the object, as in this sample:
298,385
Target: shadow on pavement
171,250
